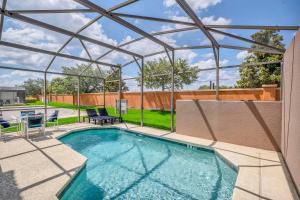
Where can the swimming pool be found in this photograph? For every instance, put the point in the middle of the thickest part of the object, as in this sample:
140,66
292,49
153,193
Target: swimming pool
127,165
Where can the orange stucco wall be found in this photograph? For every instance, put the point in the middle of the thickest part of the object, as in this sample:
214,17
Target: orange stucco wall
161,100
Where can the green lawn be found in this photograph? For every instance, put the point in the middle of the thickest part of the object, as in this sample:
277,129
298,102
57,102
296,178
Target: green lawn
152,118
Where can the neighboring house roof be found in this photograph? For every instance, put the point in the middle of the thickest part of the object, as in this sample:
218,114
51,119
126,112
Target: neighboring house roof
11,89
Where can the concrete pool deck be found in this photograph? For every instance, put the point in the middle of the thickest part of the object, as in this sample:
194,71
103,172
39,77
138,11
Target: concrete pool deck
39,168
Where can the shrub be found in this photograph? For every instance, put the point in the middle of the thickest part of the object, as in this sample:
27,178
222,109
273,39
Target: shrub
30,100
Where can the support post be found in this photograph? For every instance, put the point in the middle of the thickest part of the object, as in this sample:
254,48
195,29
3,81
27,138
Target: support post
281,80
104,93
45,96
172,92
142,92
78,98
120,91
217,74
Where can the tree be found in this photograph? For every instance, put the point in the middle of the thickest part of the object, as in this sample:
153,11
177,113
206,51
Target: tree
157,74
256,76
68,84
204,87
60,86
111,84
33,87
87,85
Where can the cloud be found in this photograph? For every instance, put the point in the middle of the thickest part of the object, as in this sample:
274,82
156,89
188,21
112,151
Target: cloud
195,4
18,77
146,46
30,35
206,20
207,55
209,63
218,21
242,55
23,59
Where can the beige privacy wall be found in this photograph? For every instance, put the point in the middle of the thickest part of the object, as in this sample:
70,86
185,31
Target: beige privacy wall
250,123
290,142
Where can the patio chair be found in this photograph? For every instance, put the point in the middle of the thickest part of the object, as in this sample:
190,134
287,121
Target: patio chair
24,113
103,112
23,119
92,115
53,118
34,121
4,124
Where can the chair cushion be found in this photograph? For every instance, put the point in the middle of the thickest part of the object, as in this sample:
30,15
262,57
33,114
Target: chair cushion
35,121
4,123
53,117
91,112
102,112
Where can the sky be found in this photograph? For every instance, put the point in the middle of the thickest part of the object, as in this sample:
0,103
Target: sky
236,12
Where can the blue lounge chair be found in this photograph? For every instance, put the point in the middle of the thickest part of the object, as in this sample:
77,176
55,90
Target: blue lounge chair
4,124
92,115
53,118
103,112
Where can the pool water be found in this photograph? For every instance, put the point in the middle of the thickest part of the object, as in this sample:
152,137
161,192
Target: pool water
125,165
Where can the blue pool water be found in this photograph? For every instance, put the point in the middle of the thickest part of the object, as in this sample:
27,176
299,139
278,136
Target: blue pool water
125,165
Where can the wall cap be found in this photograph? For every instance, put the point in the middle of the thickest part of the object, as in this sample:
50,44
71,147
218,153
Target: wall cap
269,86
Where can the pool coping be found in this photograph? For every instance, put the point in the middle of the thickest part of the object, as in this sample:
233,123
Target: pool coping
245,188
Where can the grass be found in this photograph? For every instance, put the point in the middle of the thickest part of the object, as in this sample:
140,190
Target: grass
152,118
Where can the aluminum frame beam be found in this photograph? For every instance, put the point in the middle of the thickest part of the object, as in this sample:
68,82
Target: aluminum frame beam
172,62
288,28
141,67
218,74
246,40
122,22
118,6
51,11
3,6
65,32
212,68
191,47
189,11
209,27
78,98
70,39
224,46
45,97
89,55
49,72
259,27
37,50
207,47
172,93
